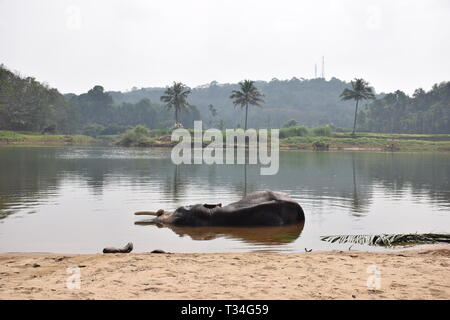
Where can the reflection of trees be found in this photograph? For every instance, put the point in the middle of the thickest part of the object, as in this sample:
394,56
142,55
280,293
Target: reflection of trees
426,174
174,184
247,179
359,204
31,174
26,176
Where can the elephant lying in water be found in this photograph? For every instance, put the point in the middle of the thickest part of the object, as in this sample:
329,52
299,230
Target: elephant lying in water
265,208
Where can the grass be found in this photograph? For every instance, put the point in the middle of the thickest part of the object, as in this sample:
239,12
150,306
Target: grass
373,141
11,137
300,137
293,138
398,136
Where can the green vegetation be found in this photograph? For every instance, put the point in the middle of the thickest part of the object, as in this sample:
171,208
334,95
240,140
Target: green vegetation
297,131
372,141
311,102
139,136
320,145
27,138
39,114
424,112
27,105
324,131
290,123
360,91
97,130
175,97
389,239
247,95
99,114
302,131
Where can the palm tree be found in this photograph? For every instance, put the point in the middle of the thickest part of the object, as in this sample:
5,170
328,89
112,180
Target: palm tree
360,91
247,95
176,97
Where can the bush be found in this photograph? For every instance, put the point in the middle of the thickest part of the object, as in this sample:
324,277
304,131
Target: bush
136,137
320,145
114,129
297,131
339,129
160,132
51,129
291,123
324,131
93,130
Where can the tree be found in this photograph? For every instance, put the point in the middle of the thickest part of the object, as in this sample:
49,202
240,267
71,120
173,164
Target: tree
176,97
360,91
424,112
247,95
95,106
291,123
28,105
213,112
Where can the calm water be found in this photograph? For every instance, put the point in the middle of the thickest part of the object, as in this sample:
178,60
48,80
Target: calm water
81,199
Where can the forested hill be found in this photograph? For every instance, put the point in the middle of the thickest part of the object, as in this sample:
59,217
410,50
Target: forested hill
310,102
423,112
28,105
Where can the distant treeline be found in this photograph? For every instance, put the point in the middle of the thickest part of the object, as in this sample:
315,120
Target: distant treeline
99,114
312,102
28,105
424,112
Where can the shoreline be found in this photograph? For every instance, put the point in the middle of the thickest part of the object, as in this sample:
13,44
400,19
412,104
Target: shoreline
283,146
337,141
413,273
168,146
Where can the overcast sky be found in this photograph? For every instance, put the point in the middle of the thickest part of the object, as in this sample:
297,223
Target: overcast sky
74,45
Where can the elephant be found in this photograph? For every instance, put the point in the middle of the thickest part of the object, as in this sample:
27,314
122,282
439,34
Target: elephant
264,208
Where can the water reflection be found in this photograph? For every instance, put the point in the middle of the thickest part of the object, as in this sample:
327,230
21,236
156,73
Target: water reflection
341,192
359,204
31,173
253,235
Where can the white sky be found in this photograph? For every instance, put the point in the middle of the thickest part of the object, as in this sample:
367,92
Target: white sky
74,45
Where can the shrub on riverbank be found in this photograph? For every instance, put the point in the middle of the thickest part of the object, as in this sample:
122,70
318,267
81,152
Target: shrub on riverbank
297,131
302,131
320,145
323,131
12,137
139,136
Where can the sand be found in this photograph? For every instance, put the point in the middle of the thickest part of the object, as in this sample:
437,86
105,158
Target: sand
410,274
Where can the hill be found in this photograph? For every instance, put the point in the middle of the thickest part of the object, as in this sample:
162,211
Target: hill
311,102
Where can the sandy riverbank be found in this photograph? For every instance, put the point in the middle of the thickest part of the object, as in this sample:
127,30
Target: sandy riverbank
410,274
